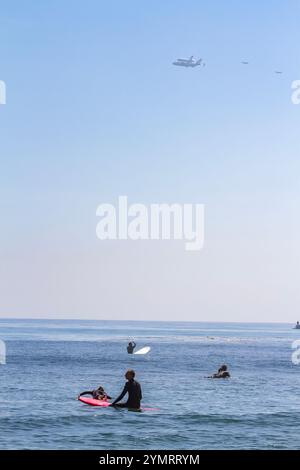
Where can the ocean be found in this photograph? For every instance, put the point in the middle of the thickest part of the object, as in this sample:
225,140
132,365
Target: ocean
49,362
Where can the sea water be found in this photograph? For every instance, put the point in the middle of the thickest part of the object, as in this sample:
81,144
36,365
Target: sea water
49,362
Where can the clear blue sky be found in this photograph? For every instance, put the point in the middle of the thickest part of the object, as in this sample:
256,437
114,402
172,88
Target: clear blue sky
95,110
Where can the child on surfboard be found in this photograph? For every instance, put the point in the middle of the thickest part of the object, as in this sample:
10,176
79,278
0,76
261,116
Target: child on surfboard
98,394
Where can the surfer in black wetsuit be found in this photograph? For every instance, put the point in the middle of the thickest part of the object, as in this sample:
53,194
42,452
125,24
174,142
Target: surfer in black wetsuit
133,388
222,373
131,347
98,394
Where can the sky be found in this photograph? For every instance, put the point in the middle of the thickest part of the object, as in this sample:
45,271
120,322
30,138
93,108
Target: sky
95,109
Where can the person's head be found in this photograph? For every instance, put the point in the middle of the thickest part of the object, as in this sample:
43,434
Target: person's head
130,344
100,389
223,368
130,374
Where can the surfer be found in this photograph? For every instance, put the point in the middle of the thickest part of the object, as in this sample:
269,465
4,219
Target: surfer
130,347
133,388
98,394
222,373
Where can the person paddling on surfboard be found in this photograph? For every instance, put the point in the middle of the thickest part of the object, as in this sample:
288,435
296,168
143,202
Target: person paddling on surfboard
98,394
133,388
130,347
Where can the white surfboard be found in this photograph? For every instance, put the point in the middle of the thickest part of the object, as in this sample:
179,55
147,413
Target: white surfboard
144,350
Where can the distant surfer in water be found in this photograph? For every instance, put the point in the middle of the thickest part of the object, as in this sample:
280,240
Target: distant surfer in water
98,394
222,373
133,388
130,347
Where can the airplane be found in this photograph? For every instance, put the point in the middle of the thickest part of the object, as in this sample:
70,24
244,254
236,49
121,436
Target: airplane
191,62
277,71
245,63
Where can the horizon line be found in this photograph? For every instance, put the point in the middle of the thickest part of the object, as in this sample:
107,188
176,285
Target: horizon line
141,321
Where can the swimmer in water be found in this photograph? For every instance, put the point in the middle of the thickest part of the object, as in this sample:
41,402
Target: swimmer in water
130,347
222,373
133,388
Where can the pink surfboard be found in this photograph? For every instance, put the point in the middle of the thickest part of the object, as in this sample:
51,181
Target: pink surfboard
105,404
94,402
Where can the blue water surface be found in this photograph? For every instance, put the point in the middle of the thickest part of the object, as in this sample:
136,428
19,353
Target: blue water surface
50,361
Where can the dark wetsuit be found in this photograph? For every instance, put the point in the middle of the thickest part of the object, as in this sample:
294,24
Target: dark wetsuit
221,375
130,347
134,391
